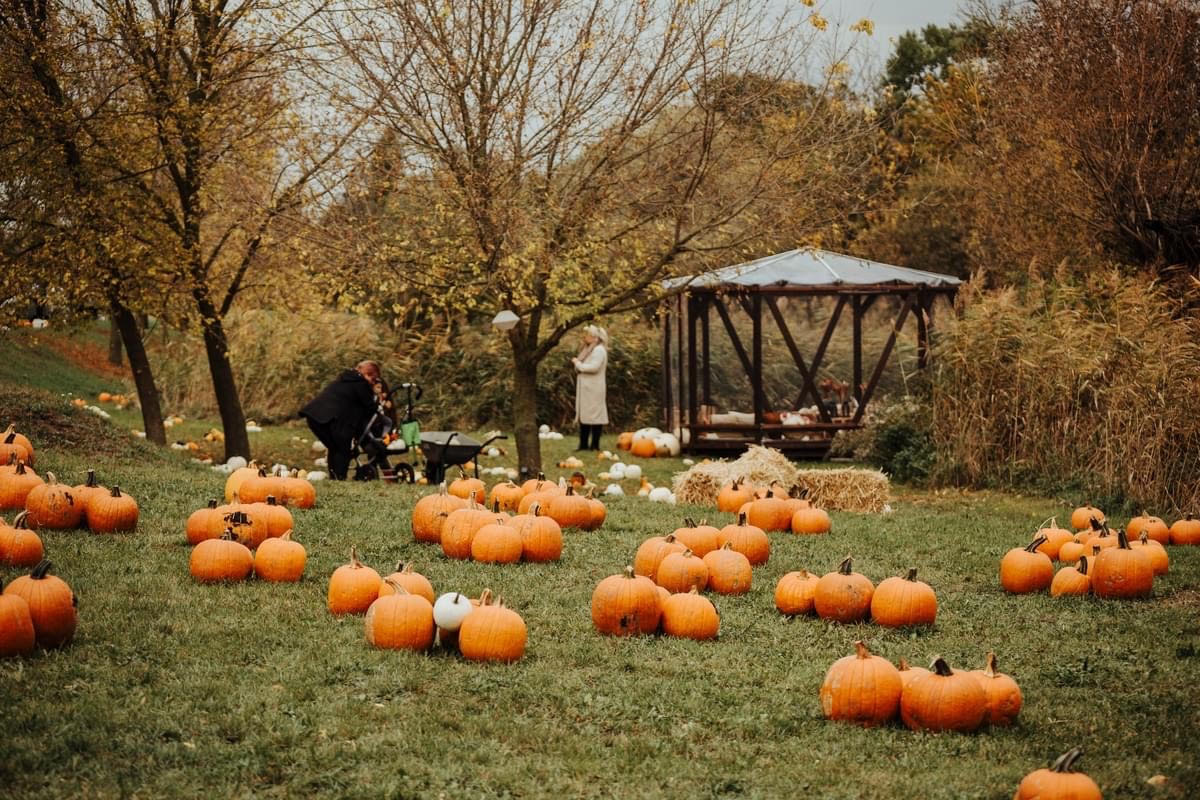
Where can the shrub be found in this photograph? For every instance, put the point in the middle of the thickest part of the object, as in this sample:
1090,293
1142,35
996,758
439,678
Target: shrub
897,437
1089,383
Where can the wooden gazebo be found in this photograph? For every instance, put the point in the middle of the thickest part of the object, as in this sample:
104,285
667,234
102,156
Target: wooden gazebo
756,287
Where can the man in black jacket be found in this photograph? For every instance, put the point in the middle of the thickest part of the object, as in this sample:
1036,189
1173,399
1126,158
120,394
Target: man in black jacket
339,413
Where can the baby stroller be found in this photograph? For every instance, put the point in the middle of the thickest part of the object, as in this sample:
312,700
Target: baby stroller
381,441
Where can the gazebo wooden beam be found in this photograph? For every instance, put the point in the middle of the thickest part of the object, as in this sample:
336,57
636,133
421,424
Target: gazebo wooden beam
909,300
806,377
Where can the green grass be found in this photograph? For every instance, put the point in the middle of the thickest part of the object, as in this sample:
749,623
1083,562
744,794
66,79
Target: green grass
176,689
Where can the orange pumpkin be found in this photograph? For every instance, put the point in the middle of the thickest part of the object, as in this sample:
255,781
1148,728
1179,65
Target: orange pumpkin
16,482
19,546
204,523
461,526
507,496
1024,569
223,559
52,505
430,512
298,492
795,592
412,581
569,510
85,491
734,495
1081,517
1055,538
1119,572
690,615
1183,531
679,572
644,448
701,539
944,700
1153,527
277,518
861,688
15,447
468,488
908,673
52,605
1071,580
258,488
280,560
844,595
353,587
624,440
400,620
599,513
1003,694
1160,563
652,551
541,537
747,539
770,514
1059,782
811,520
111,512
17,637
729,571
492,632
626,604
497,543
898,602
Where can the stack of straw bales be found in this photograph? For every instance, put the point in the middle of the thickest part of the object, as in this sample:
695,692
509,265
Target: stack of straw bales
862,490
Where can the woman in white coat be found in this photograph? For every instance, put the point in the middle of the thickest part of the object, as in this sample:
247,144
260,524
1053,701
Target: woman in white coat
591,408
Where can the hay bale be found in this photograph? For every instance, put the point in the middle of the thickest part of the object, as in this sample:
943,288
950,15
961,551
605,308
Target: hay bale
701,484
863,490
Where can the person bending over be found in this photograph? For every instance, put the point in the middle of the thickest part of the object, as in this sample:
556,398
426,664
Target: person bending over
339,413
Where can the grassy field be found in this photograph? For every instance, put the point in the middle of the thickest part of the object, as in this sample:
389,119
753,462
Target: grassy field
176,689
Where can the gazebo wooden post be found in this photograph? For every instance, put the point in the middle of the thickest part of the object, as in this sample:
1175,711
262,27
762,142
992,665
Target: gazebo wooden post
706,354
757,360
667,403
856,380
693,398
683,418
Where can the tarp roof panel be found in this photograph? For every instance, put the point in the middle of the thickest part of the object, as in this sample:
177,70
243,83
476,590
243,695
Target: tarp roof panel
812,268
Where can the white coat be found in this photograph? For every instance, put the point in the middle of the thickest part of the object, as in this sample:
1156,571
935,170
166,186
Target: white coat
591,407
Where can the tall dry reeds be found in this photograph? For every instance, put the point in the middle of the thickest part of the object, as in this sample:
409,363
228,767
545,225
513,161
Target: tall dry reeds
1091,383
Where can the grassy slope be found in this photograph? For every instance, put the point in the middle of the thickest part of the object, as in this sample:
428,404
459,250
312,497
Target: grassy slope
175,689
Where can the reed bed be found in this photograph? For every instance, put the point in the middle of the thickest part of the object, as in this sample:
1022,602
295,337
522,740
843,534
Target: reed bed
1089,387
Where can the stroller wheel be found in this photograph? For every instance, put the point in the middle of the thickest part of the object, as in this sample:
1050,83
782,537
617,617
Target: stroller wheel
366,472
405,473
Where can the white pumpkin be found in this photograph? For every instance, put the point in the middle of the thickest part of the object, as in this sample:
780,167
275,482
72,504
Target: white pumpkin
613,489
671,441
645,433
632,472
451,609
660,494
617,471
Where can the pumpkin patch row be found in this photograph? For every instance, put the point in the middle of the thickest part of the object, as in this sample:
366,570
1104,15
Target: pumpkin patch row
253,484
869,690
1185,531
847,596
1115,567
628,604
774,508
56,506
700,556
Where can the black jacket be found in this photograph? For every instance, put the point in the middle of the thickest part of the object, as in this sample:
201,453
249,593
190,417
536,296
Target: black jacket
349,399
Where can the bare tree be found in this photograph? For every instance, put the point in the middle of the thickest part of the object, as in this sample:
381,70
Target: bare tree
559,158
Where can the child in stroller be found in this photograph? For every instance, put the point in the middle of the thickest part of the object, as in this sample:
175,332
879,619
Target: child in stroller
382,438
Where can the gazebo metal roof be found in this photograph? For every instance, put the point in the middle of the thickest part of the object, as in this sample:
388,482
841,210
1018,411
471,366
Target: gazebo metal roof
811,268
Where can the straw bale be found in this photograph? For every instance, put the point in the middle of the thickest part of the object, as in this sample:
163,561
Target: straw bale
862,490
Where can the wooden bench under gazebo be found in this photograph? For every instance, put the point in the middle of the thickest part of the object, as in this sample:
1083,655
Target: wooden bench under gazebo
756,287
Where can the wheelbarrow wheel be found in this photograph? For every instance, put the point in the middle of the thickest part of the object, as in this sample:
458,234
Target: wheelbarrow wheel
405,473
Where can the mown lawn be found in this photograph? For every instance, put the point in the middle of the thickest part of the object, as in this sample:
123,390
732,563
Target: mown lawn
176,689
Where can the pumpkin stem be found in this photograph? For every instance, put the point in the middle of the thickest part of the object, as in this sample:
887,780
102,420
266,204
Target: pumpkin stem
903,666
485,599
860,649
212,502
41,570
1095,523
1035,544
229,535
21,521
271,501
687,553
727,546
20,467
286,535
495,506
912,575
50,478
91,478
354,562
989,668
116,491
689,522
1083,565
1123,540
940,666
845,567
1144,538
1066,762
395,585
629,572
741,519
670,537
1042,525
570,489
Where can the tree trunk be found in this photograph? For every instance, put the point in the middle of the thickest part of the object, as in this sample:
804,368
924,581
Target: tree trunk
524,406
115,351
124,322
229,403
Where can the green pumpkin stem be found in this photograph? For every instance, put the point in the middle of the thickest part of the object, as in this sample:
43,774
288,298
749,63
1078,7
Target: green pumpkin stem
940,666
1066,762
1035,544
845,567
41,570
912,575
